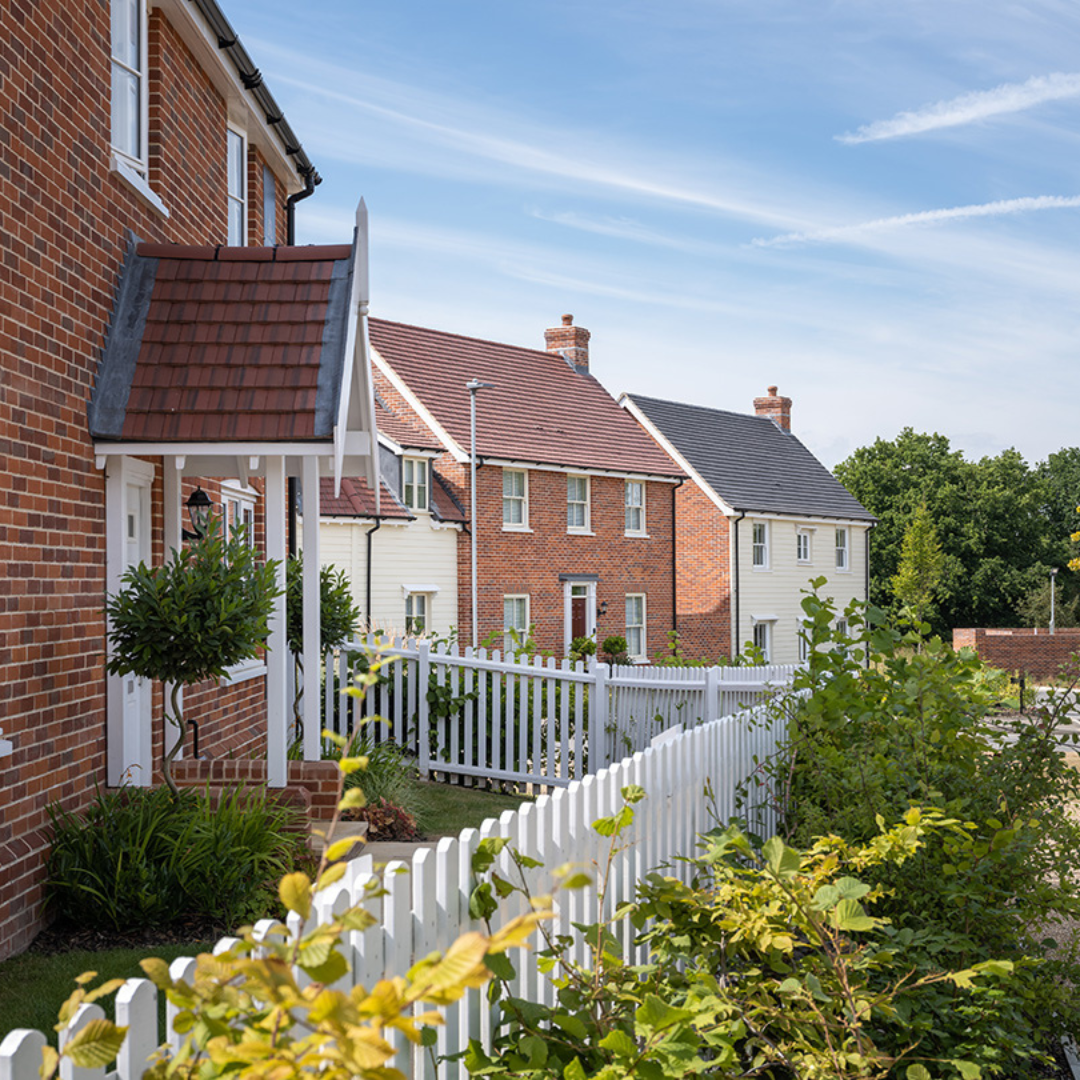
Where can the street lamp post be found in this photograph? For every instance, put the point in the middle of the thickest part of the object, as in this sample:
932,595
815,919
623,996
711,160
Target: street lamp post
472,386
1053,590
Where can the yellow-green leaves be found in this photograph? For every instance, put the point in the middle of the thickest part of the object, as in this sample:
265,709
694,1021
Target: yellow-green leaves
95,1045
295,893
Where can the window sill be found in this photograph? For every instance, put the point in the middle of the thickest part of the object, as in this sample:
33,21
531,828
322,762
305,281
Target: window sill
516,529
252,669
138,184
762,569
843,569
637,535
580,532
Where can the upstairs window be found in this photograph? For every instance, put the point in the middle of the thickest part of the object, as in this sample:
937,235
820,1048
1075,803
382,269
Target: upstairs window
802,546
237,168
577,503
635,508
128,106
842,556
415,483
515,501
760,545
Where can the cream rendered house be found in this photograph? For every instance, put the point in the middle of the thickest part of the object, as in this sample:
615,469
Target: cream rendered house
758,520
401,558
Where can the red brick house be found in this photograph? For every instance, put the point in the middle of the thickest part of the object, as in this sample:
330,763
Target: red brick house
758,519
134,369
573,522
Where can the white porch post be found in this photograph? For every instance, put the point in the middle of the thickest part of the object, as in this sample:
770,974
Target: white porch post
312,611
173,541
115,503
277,646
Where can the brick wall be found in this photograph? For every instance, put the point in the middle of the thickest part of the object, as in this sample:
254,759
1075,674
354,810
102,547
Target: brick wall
314,783
704,575
65,219
1039,654
531,562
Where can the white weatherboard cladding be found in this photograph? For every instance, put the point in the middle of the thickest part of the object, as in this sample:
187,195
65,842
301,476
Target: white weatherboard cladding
402,555
778,591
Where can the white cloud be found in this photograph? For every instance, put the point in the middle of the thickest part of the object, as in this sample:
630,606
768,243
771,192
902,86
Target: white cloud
925,217
968,108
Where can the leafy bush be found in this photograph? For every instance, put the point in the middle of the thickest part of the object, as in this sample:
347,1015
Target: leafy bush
386,821
139,857
888,725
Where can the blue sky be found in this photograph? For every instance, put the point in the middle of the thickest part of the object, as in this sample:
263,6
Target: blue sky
872,205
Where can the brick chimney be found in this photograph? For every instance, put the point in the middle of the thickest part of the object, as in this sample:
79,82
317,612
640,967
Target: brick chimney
779,408
570,341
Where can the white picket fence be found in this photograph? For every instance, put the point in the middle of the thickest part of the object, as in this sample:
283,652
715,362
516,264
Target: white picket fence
690,779
535,722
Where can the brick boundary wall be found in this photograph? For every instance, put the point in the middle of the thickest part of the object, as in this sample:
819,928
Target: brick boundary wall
1038,653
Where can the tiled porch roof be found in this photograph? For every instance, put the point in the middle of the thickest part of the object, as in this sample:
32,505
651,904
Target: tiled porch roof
357,500
218,344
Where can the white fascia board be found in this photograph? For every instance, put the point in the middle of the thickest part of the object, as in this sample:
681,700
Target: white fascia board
196,33
669,448
803,519
197,450
459,453
576,470
391,445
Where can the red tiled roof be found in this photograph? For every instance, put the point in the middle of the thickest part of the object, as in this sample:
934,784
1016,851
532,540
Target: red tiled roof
356,500
539,409
397,419
446,509
235,344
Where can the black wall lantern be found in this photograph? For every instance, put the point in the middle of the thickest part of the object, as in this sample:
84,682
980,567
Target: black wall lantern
198,508
601,610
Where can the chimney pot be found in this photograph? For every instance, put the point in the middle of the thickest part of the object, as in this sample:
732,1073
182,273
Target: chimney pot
778,408
570,342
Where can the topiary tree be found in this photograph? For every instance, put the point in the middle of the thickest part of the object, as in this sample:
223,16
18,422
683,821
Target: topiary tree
339,618
191,619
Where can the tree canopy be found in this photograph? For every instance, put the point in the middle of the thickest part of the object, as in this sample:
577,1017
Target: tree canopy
1001,523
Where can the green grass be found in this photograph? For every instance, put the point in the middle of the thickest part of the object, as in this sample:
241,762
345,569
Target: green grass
33,987
445,809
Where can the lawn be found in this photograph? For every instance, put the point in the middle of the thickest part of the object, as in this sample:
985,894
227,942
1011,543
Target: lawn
32,986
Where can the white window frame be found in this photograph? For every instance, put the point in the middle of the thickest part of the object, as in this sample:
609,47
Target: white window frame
269,207
521,601
804,538
238,500
759,549
640,654
584,529
569,588
420,500
843,549
762,637
523,499
135,162
634,507
236,199
418,606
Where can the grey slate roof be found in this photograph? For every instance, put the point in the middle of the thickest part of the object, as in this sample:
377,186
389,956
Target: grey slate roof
751,462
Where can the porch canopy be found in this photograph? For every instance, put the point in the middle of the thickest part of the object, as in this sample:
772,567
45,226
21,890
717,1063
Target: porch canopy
243,362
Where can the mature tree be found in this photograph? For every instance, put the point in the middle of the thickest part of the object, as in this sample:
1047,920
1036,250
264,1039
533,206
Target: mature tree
922,566
991,517
191,619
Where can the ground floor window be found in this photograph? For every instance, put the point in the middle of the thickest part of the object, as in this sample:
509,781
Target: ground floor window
515,619
635,626
763,639
416,613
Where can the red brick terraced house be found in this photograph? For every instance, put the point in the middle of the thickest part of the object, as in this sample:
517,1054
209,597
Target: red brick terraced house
153,338
573,521
759,518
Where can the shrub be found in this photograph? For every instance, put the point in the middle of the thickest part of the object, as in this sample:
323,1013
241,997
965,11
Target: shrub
386,821
139,857
886,725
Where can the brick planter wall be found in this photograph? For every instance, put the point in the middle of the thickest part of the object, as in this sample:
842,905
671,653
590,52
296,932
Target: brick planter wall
318,779
1035,652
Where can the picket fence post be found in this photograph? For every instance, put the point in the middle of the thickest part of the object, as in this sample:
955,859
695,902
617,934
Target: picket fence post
423,735
598,719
